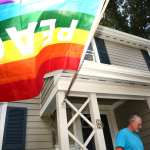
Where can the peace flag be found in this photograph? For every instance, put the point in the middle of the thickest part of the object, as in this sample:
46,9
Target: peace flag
40,36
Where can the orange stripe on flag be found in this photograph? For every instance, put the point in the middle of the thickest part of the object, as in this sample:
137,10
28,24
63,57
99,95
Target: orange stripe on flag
29,68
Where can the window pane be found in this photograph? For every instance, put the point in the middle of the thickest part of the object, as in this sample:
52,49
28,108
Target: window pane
90,53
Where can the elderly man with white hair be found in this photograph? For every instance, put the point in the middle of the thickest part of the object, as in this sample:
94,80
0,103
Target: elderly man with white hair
129,138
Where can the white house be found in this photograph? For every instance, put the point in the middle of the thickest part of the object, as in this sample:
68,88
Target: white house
113,84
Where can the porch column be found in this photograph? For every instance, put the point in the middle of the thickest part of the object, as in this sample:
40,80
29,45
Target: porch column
148,102
63,139
96,120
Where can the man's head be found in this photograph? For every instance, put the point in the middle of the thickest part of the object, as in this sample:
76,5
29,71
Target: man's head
135,123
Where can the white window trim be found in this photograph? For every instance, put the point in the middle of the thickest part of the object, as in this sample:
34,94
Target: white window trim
97,58
95,54
3,111
148,49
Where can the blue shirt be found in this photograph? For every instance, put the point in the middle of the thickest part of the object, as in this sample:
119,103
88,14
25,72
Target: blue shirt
129,140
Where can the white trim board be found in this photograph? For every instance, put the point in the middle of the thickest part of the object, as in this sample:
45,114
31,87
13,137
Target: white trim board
104,88
3,111
122,37
98,71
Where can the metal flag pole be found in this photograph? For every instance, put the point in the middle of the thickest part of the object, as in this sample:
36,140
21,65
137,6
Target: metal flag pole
94,26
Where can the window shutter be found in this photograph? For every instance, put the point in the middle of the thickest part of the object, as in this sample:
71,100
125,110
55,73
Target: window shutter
15,129
102,51
146,57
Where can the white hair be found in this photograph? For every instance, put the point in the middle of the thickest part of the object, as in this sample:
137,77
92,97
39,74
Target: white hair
134,118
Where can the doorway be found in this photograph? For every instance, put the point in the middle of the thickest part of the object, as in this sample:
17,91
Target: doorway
86,130
129,108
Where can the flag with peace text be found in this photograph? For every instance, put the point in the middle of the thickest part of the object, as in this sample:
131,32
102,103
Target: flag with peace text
41,36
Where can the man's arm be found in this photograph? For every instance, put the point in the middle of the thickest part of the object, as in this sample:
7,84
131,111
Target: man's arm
119,148
120,141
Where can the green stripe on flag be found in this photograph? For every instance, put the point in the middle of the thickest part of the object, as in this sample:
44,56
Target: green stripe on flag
63,19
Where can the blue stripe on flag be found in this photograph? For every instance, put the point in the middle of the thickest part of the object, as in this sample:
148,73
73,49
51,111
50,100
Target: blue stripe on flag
16,9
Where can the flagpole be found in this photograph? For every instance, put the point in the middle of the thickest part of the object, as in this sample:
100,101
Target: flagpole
94,26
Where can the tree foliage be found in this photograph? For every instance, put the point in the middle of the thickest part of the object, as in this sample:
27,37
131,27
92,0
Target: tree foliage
132,16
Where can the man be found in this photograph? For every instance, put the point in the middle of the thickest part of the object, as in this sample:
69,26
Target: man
128,138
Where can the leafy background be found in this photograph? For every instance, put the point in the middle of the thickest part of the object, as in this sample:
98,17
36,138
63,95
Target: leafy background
131,16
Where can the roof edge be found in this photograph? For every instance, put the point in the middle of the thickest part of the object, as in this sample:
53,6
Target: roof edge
122,37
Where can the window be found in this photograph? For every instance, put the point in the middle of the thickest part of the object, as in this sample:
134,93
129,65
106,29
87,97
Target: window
97,51
102,51
91,53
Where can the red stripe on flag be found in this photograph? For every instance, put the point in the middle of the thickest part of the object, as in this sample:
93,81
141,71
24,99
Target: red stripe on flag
26,89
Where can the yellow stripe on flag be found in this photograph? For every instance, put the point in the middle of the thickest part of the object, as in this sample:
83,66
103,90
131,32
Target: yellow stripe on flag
12,53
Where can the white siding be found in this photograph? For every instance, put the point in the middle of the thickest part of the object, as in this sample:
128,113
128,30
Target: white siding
126,56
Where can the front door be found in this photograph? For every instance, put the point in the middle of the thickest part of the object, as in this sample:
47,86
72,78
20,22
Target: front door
86,130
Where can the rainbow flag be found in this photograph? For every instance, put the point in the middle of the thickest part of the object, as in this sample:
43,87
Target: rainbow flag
40,36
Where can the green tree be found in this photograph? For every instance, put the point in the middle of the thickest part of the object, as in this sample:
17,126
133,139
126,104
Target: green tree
132,16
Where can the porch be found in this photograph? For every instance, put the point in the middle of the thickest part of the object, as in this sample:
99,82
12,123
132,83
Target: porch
97,95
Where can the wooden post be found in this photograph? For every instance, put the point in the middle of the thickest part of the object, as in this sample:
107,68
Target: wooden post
96,120
63,138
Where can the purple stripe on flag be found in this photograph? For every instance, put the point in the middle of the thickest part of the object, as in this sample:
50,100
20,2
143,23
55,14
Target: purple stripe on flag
6,1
